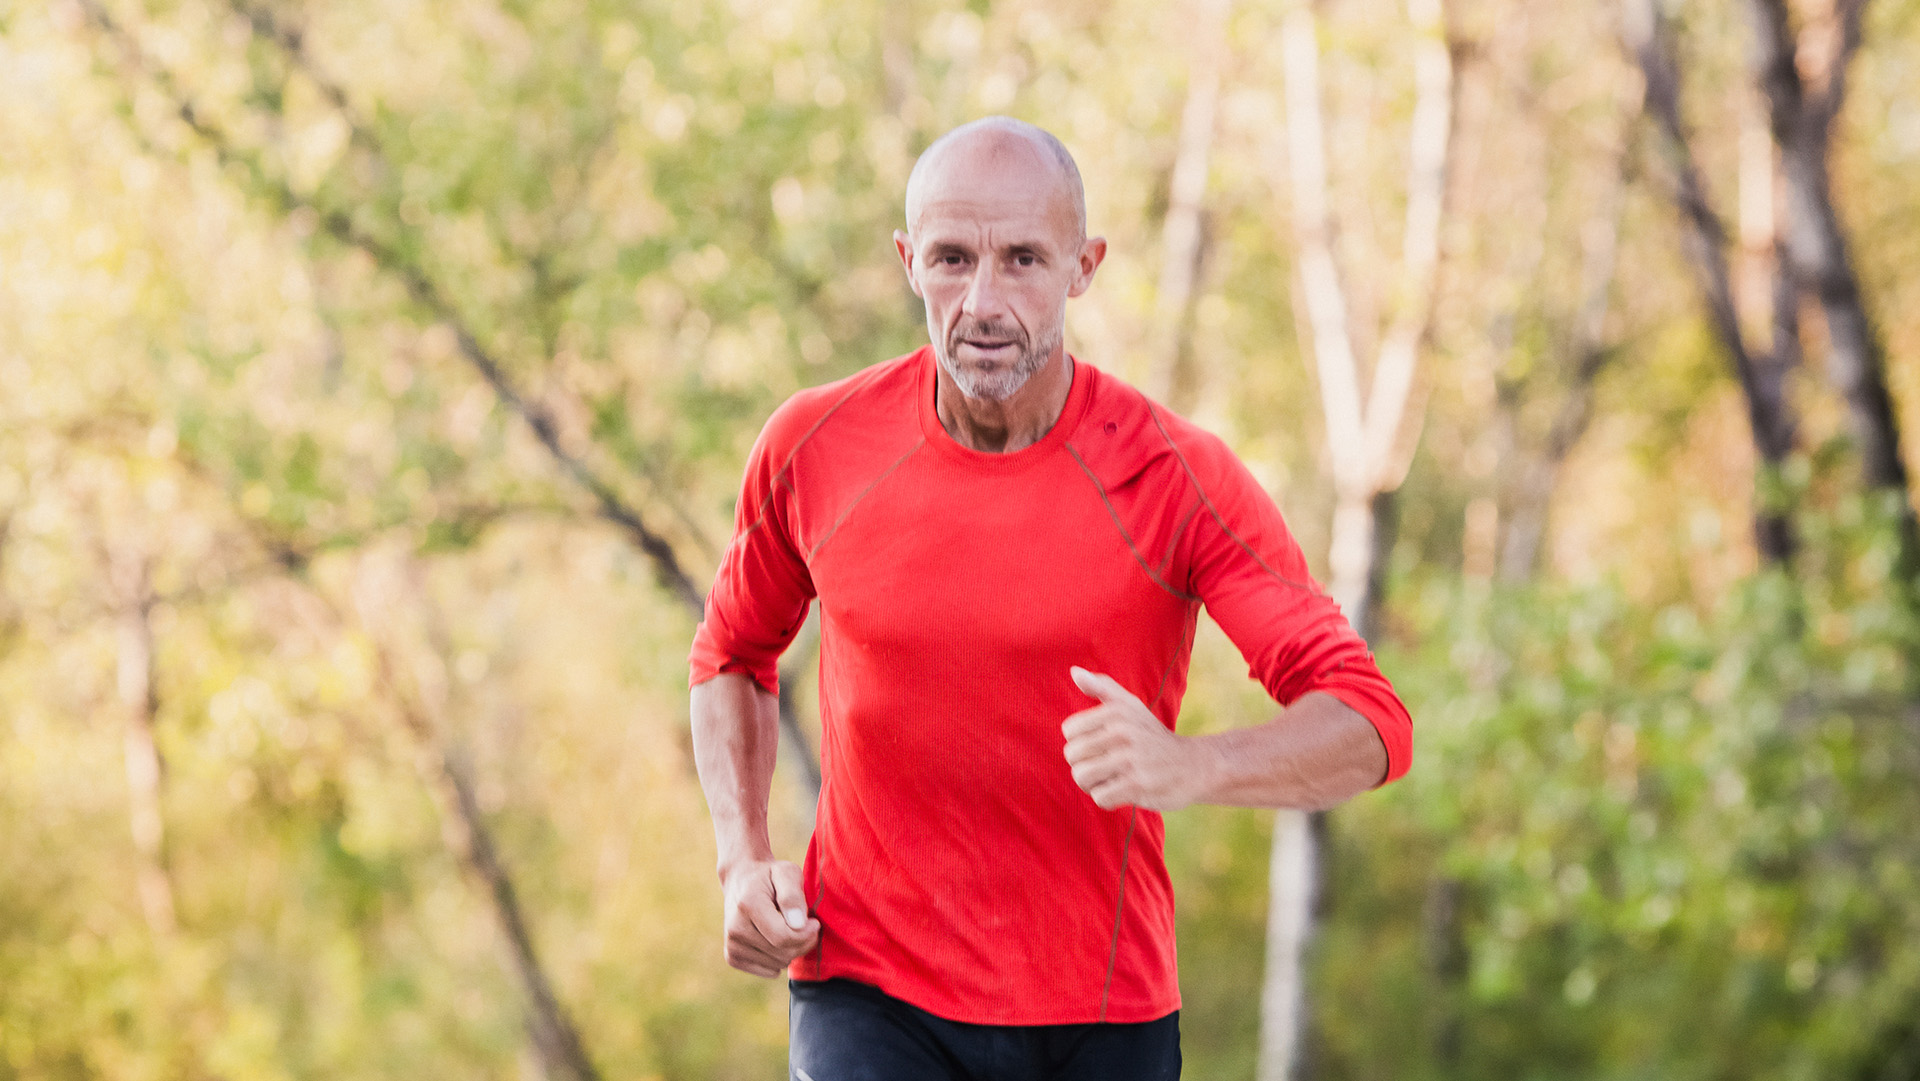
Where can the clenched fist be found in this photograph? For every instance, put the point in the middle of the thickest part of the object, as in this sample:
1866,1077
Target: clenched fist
767,925
1122,755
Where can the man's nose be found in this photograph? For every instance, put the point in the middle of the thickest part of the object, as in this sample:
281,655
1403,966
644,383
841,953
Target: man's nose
984,299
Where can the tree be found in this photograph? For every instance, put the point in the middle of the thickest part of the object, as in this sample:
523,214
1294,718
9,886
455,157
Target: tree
1369,443
1801,115
1763,374
1171,376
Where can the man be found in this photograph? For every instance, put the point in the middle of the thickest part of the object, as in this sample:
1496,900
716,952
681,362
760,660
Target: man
1010,549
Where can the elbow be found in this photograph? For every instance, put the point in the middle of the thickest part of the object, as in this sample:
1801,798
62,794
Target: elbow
1364,763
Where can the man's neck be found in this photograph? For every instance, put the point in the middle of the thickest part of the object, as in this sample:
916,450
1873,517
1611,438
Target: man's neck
1004,427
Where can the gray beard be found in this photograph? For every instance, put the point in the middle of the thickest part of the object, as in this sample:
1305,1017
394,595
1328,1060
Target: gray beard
1001,383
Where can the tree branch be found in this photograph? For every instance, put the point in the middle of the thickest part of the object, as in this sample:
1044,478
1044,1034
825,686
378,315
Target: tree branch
293,42
423,290
1334,359
556,1041
608,503
1431,138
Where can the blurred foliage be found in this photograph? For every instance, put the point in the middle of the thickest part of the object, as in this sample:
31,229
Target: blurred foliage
1662,820
1679,840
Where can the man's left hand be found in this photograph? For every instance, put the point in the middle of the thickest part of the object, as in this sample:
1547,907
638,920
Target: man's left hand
1122,755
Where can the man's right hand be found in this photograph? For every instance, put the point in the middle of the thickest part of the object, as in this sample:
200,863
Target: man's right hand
767,924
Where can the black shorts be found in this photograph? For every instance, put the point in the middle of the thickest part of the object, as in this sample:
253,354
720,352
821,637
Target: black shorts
840,1030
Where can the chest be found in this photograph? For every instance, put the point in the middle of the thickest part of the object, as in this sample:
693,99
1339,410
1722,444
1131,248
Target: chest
1030,563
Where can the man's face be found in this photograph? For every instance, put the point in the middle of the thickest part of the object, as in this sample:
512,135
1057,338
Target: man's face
995,252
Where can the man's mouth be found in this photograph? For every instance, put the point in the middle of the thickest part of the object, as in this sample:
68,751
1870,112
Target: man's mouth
988,345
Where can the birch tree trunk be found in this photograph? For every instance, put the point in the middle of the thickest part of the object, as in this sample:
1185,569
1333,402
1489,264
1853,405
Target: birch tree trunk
1801,113
140,703
1172,376
1293,888
1763,375
1368,436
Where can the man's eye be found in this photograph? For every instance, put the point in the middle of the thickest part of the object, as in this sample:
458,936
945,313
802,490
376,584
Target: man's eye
1025,260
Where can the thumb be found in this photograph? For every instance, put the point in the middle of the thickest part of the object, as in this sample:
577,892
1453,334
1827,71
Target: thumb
1098,685
789,895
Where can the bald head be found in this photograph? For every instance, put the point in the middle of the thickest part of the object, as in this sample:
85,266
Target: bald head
996,242
995,144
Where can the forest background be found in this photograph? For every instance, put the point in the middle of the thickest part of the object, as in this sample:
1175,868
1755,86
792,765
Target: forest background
378,375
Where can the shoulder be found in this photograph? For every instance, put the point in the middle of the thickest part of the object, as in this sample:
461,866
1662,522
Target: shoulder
1127,433
883,391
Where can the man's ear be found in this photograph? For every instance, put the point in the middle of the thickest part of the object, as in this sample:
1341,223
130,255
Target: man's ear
1092,254
903,244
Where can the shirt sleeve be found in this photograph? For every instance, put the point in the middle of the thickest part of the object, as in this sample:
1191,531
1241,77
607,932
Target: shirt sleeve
1247,569
760,595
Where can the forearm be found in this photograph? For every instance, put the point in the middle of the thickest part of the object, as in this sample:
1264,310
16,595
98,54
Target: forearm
1319,752
736,737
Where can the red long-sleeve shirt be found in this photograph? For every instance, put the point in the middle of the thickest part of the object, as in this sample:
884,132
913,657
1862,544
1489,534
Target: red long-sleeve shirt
954,862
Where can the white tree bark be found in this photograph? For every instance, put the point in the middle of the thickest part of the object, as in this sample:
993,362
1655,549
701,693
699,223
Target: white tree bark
1753,293
140,702
1172,377
1369,439
1389,451
1292,882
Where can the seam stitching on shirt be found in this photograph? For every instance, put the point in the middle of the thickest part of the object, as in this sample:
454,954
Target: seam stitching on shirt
1173,542
875,483
1194,479
1121,527
1126,846
1186,642
1119,910
780,476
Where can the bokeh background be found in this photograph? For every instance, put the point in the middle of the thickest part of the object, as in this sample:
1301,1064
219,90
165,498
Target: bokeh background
376,375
